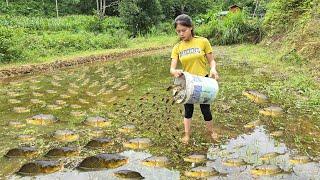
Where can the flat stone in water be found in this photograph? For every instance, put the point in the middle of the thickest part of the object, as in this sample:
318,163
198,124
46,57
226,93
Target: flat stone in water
234,162
137,143
300,159
127,129
42,119
99,143
63,152
128,174
22,152
21,110
103,161
255,96
201,172
14,101
65,136
273,111
16,124
156,161
26,137
101,104
264,170
97,121
40,167
195,158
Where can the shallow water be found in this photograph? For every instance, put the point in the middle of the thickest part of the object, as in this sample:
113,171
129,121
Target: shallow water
138,97
250,147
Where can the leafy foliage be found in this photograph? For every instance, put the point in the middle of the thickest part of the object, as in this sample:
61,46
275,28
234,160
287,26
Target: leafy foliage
140,15
231,29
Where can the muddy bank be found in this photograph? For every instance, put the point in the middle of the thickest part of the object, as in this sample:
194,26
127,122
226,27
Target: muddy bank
45,67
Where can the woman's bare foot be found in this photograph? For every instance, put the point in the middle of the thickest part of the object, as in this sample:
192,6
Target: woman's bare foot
214,136
185,139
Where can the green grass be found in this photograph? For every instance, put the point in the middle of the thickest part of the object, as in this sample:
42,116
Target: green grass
136,43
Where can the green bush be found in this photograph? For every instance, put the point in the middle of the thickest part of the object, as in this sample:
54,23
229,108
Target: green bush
10,44
231,29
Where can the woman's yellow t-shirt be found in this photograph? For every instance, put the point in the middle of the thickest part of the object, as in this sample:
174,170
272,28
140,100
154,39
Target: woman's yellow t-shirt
192,55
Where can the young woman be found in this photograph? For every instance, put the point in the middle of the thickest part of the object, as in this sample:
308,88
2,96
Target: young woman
194,53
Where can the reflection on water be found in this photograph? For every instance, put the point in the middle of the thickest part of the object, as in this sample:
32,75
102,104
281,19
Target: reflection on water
251,148
134,164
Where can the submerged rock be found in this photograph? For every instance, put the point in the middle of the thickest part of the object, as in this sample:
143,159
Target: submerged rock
103,161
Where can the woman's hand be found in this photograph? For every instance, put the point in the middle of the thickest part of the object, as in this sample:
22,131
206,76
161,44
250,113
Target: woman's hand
176,72
214,74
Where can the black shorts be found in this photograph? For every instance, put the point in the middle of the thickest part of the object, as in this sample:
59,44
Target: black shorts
205,109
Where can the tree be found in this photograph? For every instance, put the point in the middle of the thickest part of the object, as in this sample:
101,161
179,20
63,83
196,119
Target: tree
140,15
102,5
57,10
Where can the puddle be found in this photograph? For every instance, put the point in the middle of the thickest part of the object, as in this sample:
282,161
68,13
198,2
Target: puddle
250,147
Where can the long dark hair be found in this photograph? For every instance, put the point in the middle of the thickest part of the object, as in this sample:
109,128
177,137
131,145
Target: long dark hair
184,20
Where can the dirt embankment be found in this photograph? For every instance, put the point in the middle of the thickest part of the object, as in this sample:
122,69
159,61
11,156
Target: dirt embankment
45,67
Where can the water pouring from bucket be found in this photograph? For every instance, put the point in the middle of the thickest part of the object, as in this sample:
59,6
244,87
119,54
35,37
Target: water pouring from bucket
193,89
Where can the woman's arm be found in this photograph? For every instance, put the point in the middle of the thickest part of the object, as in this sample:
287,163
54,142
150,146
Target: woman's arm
175,72
212,63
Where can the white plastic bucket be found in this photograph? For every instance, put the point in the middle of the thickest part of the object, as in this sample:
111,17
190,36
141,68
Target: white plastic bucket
196,89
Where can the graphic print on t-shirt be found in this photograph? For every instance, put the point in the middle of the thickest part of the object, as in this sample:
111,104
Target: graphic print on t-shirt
190,51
